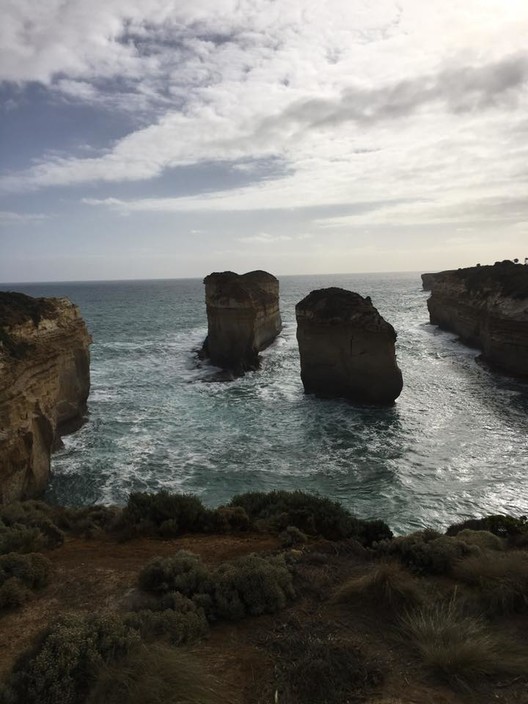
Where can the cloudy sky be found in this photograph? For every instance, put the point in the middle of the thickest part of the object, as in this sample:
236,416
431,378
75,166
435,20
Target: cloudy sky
169,138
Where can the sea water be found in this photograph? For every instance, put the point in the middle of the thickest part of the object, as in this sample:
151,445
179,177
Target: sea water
454,445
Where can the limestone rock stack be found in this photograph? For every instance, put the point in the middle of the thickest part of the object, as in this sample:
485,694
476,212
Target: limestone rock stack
44,385
487,306
243,318
346,348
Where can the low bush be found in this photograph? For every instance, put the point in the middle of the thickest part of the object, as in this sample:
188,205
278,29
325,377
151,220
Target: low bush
184,572
13,593
462,649
312,514
176,627
226,519
386,584
425,553
249,585
20,538
291,537
514,530
88,521
501,580
155,675
64,665
31,570
315,668
165,513
481,538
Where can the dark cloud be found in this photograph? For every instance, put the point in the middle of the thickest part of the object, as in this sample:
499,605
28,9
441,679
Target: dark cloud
462,89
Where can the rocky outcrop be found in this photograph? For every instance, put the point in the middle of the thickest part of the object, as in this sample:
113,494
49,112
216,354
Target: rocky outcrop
487,306
243,318
346,348
44,385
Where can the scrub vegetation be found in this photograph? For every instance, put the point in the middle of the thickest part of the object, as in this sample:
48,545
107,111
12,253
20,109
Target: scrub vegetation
284,597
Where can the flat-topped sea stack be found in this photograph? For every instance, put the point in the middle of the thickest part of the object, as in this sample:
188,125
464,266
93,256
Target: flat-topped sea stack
487,306
243,318
44,385
346,348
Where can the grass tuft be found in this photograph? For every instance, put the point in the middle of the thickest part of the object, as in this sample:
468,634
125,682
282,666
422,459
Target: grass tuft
462,649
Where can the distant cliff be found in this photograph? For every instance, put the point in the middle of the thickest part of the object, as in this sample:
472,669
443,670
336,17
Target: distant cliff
243,318
346,348
487,306
44,385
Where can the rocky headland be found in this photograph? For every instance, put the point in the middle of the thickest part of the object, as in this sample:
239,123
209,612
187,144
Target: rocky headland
243,318
44,385
487,306
346,348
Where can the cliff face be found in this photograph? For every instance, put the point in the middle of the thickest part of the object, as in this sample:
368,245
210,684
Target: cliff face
44,385
487,307
243,318
346,348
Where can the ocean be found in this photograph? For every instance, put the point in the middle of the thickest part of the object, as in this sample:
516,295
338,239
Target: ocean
453,446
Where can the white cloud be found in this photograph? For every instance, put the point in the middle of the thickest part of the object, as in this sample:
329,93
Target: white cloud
9,218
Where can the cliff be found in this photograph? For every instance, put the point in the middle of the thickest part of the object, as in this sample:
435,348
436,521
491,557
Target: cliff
487,306
44,385
243,318
346,348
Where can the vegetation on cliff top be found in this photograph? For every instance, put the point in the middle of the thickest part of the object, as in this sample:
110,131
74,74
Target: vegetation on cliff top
506,277
325,614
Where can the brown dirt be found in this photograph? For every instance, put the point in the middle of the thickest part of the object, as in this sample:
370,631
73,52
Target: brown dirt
94,575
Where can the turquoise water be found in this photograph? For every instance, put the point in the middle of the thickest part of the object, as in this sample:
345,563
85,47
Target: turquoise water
454,445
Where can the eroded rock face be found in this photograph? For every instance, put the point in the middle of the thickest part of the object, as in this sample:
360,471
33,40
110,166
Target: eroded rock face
487,306
44,385
243,318
346,348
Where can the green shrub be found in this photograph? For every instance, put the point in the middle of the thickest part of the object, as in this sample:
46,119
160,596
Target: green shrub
513,529
226,519
168,514
88,521
181,621
291,537
424,553
481,538
184,572
13,593
387,584
249,585
32,569
462,649
155,675
314,515
20,538
501,580
64,665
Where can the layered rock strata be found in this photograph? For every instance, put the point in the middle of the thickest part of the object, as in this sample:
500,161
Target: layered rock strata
347,348
487,306
243,318
44,386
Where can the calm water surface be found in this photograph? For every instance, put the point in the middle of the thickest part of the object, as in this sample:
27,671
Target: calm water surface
454,445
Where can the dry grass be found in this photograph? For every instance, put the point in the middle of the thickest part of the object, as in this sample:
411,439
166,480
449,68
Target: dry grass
501,580
387,584
462,649
155,675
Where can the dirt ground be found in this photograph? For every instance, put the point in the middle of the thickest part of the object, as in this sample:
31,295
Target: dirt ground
100,574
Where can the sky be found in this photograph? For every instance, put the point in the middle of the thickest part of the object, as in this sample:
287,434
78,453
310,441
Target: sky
171,138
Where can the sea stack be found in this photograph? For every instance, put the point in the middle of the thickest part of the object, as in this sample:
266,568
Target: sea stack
487,306
243,318
44,385
346,348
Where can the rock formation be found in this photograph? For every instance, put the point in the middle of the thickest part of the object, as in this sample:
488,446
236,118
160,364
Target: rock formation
487,306
346,348
243,318
44,385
